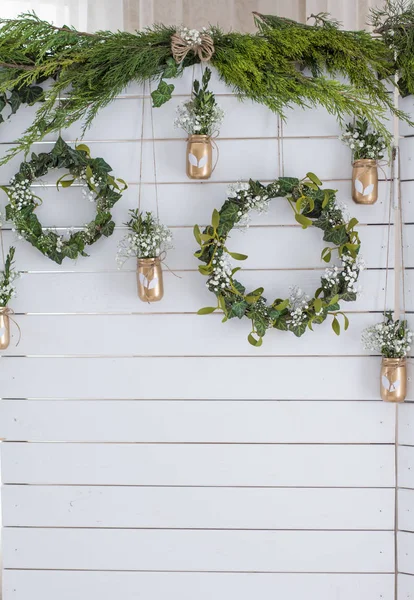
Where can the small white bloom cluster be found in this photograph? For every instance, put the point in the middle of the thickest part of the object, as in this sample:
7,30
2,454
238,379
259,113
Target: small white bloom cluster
148,239
338,213
8,290
90,187
248,202
298,304
20,193
192,37
221,276
349,272
392,338
364,144
196,121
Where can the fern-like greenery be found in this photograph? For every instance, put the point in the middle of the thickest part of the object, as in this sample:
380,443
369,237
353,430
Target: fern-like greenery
282,65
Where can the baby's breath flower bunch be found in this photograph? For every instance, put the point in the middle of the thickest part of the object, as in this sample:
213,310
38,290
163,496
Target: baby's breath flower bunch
363,141
391,338
192,37
146,237
241,192
201,115
7,279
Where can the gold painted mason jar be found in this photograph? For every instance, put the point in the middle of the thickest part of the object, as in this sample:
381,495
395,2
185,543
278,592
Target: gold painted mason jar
393,379
4,328
199,157
365,181
149,279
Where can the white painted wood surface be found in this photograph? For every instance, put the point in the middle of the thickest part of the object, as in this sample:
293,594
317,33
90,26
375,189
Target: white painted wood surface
166,456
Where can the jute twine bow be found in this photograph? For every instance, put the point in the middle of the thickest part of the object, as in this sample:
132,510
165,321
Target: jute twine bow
6,311
204,48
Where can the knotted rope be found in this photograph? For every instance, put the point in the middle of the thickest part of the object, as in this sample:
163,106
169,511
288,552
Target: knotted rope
185,41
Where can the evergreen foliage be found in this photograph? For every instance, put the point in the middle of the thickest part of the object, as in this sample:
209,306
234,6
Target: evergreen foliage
282,65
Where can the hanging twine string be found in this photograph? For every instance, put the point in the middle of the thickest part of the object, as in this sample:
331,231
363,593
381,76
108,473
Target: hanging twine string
280,147
142,148
184,41
7,312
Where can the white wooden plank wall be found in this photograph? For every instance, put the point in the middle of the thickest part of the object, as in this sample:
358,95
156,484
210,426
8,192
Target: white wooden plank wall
152,452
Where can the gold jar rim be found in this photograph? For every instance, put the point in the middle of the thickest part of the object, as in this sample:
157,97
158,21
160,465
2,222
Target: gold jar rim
149,261
364,162
197,137
394,362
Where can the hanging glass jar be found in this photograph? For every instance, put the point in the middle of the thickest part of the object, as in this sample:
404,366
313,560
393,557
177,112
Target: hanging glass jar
393,379
150,279
199,157
365,181
4,328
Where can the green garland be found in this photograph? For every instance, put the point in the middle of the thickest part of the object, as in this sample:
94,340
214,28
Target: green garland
312,207
99,187
266,67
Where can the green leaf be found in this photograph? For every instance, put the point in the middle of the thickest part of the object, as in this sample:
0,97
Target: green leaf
238,309
326,254
85,148
352,223
14,101
31,94
317,304
282,305
253,341
334,300
346,322
254,296
205,237
162,94
215,220
237,256
314,178
60,148
300,329
304,221
207,310
205,269
326,198
197,234
335,326
171,70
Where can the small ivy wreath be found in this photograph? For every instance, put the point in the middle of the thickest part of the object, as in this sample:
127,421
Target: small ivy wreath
98,186
312,207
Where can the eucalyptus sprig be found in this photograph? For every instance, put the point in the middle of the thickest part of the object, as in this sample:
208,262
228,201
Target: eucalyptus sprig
7,279
312,206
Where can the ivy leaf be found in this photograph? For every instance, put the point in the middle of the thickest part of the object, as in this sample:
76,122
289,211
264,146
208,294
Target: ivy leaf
31,94
299,330
238,309
281,323
260,324
349,296
207,310
337,236
171,70
162,94
108,229
60,147
14,102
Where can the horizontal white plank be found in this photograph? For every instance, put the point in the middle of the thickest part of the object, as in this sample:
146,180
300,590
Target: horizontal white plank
175,335
405,587
354,552
183,204
83,585
406,552
197,421
242,378
116,292
266,247
406,424
406,510
406,466
199,464
200,508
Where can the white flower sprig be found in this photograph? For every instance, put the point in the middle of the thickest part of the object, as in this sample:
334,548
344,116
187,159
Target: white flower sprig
146,238
364,142
7,279
201,115
391,338
192,37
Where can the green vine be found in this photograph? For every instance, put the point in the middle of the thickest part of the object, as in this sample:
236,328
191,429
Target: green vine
93,174
280,66
312,206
